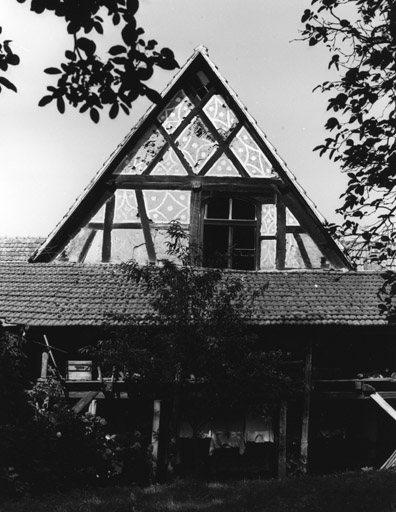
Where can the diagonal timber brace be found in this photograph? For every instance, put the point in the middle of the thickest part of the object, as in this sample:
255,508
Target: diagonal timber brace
84,401
384,404
391,461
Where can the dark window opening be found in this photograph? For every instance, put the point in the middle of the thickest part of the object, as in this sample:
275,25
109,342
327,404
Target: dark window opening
200,84
229,235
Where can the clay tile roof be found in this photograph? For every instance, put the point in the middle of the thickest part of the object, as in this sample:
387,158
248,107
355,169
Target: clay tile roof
72,294
18,248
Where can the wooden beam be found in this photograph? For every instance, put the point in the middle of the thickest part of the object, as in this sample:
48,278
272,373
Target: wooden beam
92,407
303,250
195,225
280,234
306,407
256,185
86,246
108,223
146,227
44,365
84,401
349,395
155,432
61,378
390,462
100,396
385,406
313,227
282,440
173,145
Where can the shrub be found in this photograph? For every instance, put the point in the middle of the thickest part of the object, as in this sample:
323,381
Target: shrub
56,448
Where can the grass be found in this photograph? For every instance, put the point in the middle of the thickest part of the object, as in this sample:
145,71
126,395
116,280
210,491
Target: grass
348,492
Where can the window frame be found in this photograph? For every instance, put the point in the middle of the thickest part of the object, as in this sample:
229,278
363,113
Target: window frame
231,223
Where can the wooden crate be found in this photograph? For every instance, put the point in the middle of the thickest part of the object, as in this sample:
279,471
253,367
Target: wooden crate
79,370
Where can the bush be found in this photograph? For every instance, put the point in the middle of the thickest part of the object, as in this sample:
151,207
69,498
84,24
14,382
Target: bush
56,448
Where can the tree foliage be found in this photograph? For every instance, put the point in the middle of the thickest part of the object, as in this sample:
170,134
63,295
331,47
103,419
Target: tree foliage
45,445
12,379
89,79
197,335
361,37
7,58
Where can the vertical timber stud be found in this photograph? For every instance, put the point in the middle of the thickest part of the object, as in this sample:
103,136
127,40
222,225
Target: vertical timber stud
92,407
44,365
155,433
306,407
282,440
146,227
195,222
280,234
108,223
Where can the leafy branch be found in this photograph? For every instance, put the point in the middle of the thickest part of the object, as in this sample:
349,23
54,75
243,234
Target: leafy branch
7,58
93,80
361,38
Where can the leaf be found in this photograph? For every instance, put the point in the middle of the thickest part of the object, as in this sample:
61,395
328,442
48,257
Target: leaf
98,27
132,6
167,59
151,44
38,6
117,49
129,34
73,27
86,45
167,64
113,113
167,53
144,73
70,55
120,61
116,18
305,16
13,59
152,95
52,71
4,81
94,114
60,103
45,100
125,109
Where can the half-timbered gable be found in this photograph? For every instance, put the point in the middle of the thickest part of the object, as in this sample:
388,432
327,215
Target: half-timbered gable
200,159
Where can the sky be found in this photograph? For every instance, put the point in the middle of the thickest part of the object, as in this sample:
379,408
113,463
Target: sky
48,158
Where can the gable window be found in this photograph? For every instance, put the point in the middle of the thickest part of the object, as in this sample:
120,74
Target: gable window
229,233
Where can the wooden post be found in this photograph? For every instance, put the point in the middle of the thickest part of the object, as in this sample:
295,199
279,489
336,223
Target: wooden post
306,408
144,220
280,234
282,440
108,224
173,455
44,365
92,407
195,224
155,432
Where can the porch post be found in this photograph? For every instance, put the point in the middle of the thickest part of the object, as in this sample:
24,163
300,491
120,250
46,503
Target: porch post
306,408
155,433
282,440
44,365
